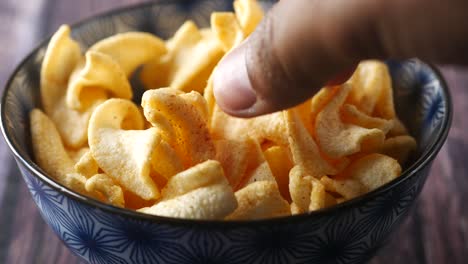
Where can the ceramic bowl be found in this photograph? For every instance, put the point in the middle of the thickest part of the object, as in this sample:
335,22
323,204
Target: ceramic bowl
348,233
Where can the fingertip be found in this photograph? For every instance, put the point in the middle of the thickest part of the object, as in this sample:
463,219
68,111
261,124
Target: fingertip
231,84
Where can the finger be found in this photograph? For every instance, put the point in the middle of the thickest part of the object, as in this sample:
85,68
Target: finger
303,44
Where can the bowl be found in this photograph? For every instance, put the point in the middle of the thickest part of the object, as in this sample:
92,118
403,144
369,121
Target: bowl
350,232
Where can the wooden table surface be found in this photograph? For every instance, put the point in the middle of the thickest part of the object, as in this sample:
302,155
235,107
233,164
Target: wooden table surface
435,233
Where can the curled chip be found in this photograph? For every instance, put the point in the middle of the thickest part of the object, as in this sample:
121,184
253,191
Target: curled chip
260,200
369,81
207,173
61,57
193,139
131,49
233,156
99,72
200,192
227,29
399,148
124,155
257,167
307,192
106,186
270,127
374,170
76,155
197,100
280,165
211,202
338,139
165,160
351,114
304,150
249,13
347,188
187,66
86,165
49,152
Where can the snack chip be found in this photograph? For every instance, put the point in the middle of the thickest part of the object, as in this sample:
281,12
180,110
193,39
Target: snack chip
249,13
180,155
260,200
124,155
201,192
338,139
193,139
131,49
100,72
61,57
107,187
227,29
187,66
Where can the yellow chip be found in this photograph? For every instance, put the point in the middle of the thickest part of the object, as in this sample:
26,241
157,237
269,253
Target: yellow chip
270,127
233,156
280,165
374,170
193,138
207,173
99,72
300,188
197,100
257,167
399,148
249,13
260,200
398,129
165,160
210,202
190,60
317,196
210,100
87,166
124,155
304,150
347,188
338,139
370,80
307,192
200,192
107,187
49,152
61,57
76,155
351,114
295,209
227,29
131,49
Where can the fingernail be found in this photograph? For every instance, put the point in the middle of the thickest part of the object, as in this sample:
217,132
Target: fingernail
231,84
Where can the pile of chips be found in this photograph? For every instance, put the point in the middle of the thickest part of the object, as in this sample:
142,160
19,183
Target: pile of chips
179,155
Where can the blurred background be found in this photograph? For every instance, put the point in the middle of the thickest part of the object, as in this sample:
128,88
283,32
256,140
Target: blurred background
436,231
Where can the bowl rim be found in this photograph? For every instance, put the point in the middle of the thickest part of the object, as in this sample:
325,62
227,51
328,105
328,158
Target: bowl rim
425,159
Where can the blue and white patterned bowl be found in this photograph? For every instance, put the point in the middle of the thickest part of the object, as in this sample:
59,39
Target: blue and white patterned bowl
348,233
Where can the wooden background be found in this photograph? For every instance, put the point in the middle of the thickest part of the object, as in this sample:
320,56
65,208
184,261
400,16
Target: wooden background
435,233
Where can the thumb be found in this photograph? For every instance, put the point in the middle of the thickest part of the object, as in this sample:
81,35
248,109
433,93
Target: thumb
303,44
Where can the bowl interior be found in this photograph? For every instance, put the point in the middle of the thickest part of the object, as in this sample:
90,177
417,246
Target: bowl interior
421,97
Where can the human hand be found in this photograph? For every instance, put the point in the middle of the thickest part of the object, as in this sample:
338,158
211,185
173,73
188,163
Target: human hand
303,44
